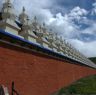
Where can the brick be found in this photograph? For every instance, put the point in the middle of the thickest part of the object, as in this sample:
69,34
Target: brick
35,74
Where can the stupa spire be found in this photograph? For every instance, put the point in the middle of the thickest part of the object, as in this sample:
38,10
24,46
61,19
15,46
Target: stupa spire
23,9
44,28
56,37
61,40
8,10
44,24
7,1
35,19
23,17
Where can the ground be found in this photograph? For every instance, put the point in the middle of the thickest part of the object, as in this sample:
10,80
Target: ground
85,86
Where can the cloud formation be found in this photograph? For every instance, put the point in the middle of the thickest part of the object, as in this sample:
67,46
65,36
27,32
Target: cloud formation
77,13
72,24
87,48
39,8
94,9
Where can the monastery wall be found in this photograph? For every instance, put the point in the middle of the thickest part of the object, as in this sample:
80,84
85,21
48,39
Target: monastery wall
37,74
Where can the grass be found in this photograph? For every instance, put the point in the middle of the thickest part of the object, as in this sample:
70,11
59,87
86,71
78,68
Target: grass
85,86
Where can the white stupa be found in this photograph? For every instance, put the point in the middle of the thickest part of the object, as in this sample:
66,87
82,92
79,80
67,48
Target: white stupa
8,18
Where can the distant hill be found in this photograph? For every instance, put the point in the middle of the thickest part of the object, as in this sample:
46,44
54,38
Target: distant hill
93,59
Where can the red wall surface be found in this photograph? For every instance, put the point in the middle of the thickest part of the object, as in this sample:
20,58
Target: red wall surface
35,74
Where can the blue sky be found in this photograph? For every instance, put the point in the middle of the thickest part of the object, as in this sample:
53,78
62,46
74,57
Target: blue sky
69,4
74,20
86,4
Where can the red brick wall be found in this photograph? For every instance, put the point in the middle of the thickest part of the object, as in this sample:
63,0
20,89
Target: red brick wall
34,74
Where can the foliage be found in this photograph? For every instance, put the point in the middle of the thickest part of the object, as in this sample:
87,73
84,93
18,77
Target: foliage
93,59
85,86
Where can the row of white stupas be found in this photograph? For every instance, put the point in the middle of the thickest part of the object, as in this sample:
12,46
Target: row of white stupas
36,33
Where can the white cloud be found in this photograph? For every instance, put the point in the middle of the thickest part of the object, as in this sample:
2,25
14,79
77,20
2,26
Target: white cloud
91,29
33,8
65,24
86,48
94,9
62,24
29,4
77,13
